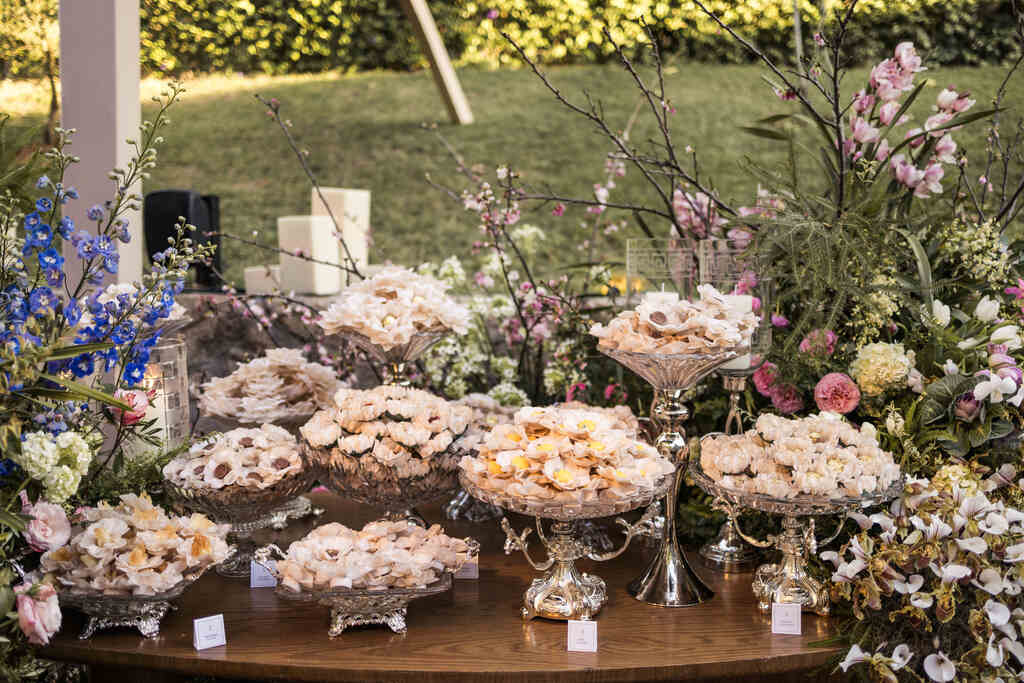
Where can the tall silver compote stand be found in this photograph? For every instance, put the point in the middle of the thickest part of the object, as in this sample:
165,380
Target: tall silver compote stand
668,580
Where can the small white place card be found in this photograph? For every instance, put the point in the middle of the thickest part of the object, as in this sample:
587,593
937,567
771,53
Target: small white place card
582,636
470,570
208,632
260,576
786,618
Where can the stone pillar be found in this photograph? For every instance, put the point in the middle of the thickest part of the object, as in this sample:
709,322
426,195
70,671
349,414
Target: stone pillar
99,71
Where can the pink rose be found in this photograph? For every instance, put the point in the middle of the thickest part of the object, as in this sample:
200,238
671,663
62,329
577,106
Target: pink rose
764,378
819,342
786,398
49,528
38,612
836,393
137,401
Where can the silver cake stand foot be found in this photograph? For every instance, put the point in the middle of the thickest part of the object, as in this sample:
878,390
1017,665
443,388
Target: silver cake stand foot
565,593
465,506
295,509
728,552
147,622
342,620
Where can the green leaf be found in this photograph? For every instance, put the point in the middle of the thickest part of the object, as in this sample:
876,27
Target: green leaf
924,268
1000,428
940,394
775,118
13,521
71,351
979,433
765,133
86,392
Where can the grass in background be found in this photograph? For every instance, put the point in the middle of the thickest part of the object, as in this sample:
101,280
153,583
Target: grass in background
365,131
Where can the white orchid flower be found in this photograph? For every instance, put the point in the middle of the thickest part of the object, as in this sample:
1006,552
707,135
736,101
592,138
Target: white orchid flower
987,309
990,581
831,556
940,313
922,600
863,521
997,612
1007,334
995,388
950,573
933,531
1014,553
939,667
901,656
994,653
848,571
968,343
854,656
1015,647
1004,475
995,524
911,585
975,544
1017,398
950,368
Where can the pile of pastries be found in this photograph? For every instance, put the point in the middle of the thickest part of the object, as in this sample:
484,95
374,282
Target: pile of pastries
487,412
665,324
392,306
280,386
135,548
565,455
242,459
382,555
818,455
390,427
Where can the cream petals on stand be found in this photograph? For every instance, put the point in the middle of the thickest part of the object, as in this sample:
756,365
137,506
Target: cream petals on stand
382,555
393,306
663,323
244,458
135,548
565,455
819,455
279,386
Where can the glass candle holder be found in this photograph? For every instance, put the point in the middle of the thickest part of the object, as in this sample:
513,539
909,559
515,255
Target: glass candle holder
166,381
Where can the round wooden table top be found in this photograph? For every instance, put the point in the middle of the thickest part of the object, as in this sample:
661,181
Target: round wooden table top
472,633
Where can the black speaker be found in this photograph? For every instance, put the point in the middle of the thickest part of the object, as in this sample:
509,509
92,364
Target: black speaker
160,213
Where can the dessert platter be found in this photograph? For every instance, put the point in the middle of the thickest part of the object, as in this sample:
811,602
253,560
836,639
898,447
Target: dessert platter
125,563
368,576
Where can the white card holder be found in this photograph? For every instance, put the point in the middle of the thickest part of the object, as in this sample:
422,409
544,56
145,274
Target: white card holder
786,618
582,636
260,576
208,632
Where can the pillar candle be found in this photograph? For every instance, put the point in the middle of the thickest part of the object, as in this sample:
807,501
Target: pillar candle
351,208
313,236
739,303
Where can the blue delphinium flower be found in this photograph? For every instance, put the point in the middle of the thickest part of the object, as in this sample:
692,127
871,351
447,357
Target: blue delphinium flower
72,313
42,182
111,261
50,259
41,300
133,373
31,220
39,236
72,192
44,204
82,365
8,468
66,228
123,333
94,213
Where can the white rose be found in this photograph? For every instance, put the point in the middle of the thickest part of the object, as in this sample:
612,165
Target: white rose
986,310
940,312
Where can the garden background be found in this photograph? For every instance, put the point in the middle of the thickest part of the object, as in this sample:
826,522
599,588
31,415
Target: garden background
351,79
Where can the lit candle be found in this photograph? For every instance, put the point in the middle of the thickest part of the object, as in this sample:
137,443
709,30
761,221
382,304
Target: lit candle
739,303
312,237
661,298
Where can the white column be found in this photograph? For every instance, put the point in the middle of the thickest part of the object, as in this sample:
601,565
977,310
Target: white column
99,71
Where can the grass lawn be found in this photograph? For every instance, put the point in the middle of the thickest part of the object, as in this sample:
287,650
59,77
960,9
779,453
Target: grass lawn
366,131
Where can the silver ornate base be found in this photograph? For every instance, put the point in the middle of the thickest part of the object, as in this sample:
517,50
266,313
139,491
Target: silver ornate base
564,593
295,509
728,552
343,618
788,581
146,620
465,506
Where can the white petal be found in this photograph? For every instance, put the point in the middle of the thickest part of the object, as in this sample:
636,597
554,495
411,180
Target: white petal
939,668
975,544
900,656
922,600
854,656
1014,646
997,612
994,653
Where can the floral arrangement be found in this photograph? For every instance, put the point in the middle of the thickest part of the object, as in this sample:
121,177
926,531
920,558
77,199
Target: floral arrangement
818,455
389,427
664,323
564,455
134,548
381,555
280,386
239,459
392,306
937,576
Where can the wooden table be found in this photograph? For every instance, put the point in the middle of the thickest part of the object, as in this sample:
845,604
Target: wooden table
473,633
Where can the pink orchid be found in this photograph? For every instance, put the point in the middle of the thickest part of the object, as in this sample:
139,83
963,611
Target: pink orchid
944,149
862,102
863,132
945,99
915,136
882,152
908,58
906,173
935,121
779,320
887,112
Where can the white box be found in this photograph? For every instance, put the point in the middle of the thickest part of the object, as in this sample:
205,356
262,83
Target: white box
262,279
314,237
351,208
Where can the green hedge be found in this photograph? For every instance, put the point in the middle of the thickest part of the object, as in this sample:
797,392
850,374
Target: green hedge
276,36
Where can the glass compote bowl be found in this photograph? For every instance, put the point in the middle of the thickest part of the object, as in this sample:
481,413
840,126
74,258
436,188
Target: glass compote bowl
788,581
563,592
245,509
143,612
668,580
396,359
366,481
361,606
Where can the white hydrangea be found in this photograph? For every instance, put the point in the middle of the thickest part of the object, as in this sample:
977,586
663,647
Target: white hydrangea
508,394
554,378
74,451
451,272
39,454
880,367
505,367
527,237
60,483
492,264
